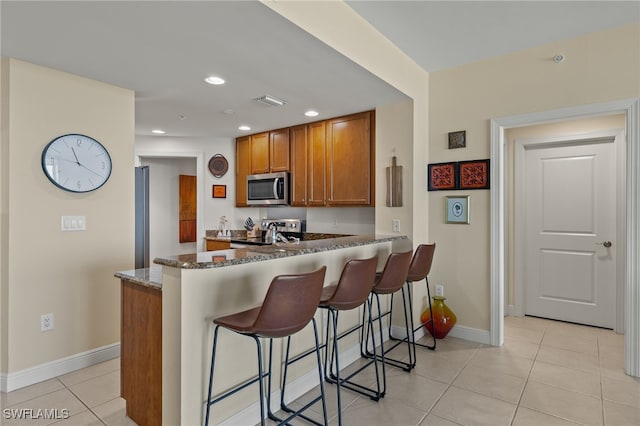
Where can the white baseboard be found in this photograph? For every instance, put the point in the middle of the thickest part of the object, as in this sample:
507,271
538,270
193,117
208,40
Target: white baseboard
49,370
461,332
471,334
514,311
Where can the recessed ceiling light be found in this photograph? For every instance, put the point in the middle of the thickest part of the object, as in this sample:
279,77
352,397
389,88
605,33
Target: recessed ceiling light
311,113
244,128
214,80
158,132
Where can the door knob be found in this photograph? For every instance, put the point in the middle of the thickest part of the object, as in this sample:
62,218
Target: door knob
607,244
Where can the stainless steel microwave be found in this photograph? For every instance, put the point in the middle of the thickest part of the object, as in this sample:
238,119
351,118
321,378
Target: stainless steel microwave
268,189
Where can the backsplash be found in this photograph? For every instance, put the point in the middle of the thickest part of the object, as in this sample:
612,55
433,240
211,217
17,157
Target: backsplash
333,220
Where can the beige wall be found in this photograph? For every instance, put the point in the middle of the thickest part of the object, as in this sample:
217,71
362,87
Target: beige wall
394,136
599,67
69,274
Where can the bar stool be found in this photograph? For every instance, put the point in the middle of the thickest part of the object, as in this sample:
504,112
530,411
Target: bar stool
418,271
351,291
391,280
289,305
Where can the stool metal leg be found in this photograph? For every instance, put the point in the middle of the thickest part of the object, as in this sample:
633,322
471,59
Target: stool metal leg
432,346
287,362
238,388
406,366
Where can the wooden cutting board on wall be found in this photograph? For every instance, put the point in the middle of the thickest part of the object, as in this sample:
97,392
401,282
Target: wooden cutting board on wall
188,208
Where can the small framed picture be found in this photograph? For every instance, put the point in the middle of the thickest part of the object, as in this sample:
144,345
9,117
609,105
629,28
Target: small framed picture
458,139
219,191
457,209
473,174
442,176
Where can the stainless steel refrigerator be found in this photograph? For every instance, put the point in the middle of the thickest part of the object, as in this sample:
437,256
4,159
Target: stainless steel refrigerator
142,217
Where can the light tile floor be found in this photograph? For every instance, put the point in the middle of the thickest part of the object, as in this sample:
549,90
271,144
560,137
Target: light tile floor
547,373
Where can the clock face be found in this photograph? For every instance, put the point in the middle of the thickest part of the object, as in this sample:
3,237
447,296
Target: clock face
76,163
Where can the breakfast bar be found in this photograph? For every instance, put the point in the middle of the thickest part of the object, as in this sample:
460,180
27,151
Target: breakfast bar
187,292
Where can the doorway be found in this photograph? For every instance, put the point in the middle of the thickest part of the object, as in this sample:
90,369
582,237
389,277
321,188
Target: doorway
631,247
565,215
164,169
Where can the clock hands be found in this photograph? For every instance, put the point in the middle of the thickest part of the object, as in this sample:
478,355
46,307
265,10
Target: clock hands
82,165
95,173
74,154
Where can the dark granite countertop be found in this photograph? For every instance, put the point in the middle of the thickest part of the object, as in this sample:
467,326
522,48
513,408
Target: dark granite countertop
152,277
149,277
249,254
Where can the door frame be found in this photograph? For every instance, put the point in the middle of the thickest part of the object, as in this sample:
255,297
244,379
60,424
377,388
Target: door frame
631,109
519,147
199,158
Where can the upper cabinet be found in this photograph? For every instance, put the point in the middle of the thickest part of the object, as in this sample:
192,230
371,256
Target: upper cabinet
270,152
350,160
331,161
259,153
309,165
279,150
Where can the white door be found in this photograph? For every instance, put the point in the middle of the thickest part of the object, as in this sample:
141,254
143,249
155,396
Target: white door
569,229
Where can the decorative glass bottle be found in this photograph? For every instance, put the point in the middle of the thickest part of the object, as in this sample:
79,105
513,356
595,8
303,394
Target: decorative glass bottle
443,318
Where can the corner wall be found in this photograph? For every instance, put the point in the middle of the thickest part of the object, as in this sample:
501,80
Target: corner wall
599,67
69,274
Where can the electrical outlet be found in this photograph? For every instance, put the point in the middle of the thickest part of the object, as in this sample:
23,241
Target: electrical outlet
395,225
46,322
439,290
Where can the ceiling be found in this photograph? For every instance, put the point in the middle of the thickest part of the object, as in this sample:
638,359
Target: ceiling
163,50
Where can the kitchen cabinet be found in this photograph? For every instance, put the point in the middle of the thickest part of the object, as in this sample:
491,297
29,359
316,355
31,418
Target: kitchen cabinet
141,352
188,208
279,150
259,153
270,152
243,169
331,162
218,245
308,165
350,160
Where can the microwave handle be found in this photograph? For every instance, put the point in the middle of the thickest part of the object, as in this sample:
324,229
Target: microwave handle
275,188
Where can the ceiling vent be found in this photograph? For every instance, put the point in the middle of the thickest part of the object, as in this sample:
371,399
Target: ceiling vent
270,100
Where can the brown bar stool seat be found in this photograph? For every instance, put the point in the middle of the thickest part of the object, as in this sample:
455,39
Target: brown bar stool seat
391,280
289,305
350,292
418,271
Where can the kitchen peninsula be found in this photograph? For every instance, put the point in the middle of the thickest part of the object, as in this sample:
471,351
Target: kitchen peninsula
187,292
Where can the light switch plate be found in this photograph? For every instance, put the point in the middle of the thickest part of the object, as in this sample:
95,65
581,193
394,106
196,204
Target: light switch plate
73,223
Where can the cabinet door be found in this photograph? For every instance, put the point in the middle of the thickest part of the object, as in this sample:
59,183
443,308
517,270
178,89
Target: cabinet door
349,160
243,169
279,150
188,206
316,164
298,181
260,153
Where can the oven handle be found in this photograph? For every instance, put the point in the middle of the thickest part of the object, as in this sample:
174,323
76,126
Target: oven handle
275,188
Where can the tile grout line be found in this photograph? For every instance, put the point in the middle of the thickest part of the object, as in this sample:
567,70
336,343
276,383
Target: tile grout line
82,402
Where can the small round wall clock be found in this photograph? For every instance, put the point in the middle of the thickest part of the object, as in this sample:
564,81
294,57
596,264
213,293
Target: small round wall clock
76,163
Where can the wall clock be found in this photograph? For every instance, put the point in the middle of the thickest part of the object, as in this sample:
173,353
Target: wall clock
76,163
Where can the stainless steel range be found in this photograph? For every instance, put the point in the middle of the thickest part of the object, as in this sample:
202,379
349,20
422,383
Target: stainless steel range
290,229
